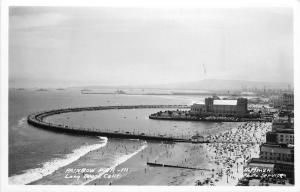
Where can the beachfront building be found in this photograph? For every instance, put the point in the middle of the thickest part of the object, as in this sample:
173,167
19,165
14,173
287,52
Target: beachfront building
277,153
279,146
221,107
283,124
278,159
284,101
280,137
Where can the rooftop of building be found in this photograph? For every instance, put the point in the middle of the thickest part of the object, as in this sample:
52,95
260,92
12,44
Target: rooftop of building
283,130
225,102
288,94
261,164
274,148
283,120
258,160
286,131
219,102
256,182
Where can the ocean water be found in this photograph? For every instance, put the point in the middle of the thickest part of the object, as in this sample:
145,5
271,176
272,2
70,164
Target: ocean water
35,153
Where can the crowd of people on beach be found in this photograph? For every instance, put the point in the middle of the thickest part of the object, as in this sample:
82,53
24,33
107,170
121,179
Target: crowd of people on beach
226,154
230,150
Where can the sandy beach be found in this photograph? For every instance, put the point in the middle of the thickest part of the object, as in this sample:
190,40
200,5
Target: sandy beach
182,154
124,162
221,157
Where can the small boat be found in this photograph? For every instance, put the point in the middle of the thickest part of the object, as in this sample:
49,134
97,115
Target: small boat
42,90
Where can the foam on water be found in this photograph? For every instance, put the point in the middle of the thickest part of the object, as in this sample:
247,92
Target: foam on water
117,162
22,121
20,124
49,167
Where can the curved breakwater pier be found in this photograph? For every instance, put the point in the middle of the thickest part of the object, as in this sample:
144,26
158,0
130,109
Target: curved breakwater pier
218,119
37,120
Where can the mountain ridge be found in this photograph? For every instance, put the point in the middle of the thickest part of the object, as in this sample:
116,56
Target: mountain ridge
209,84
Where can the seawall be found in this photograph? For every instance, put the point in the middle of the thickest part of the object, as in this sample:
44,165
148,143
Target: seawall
209,120
37,120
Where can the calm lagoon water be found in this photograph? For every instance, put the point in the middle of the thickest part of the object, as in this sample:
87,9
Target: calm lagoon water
131,120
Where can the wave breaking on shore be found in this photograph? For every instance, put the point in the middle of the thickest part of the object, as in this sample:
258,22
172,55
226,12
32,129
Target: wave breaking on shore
117,162
51,166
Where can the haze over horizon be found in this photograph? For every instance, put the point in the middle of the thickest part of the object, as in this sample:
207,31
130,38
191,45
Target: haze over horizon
62,47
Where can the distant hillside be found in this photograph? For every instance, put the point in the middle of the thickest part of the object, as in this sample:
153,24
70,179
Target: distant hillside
204,85
217,84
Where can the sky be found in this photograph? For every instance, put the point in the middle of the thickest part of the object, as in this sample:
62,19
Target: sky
69,46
